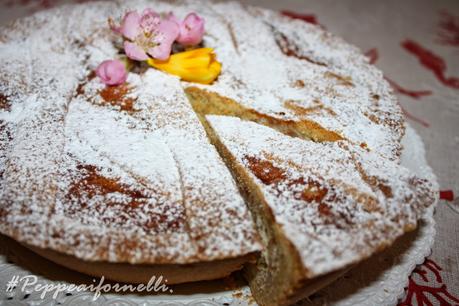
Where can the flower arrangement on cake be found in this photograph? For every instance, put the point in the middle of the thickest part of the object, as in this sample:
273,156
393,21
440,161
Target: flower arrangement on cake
152,38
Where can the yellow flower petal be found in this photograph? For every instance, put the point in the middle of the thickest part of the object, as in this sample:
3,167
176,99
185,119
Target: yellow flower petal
198,65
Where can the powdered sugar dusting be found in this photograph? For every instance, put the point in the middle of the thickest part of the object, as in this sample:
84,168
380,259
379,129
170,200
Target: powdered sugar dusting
270,60
335,203
134,179
89,177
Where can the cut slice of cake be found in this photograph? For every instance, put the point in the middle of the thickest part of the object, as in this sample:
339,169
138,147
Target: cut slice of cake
319,207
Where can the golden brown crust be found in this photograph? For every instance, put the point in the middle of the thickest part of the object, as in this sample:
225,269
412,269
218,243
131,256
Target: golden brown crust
36,260
142,273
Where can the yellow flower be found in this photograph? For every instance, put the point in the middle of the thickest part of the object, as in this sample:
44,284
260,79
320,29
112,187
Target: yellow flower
198,65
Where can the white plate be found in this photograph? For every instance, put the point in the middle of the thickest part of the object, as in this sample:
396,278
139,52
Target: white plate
378,281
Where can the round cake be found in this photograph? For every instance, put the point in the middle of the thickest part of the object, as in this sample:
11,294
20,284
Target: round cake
287,165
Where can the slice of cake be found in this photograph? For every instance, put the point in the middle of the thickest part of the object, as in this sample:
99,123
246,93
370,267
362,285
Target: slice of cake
319,207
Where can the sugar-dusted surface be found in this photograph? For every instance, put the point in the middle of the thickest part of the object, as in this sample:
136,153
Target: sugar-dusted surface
315,76
136,182
335,203
270,67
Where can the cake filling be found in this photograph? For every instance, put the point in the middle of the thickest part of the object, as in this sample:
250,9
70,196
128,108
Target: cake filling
273,269
209,103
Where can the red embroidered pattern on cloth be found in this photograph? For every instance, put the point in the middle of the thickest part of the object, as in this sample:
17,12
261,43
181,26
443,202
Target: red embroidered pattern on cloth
310,18
447,195
40,4
373,56
415,94
448,33
432,62
426,287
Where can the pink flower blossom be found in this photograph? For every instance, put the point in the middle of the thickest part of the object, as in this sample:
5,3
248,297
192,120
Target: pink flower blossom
130,26
147,35
112,72
191,30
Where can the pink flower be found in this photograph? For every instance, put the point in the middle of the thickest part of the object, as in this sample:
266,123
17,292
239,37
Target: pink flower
112,72
191,30
147,35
